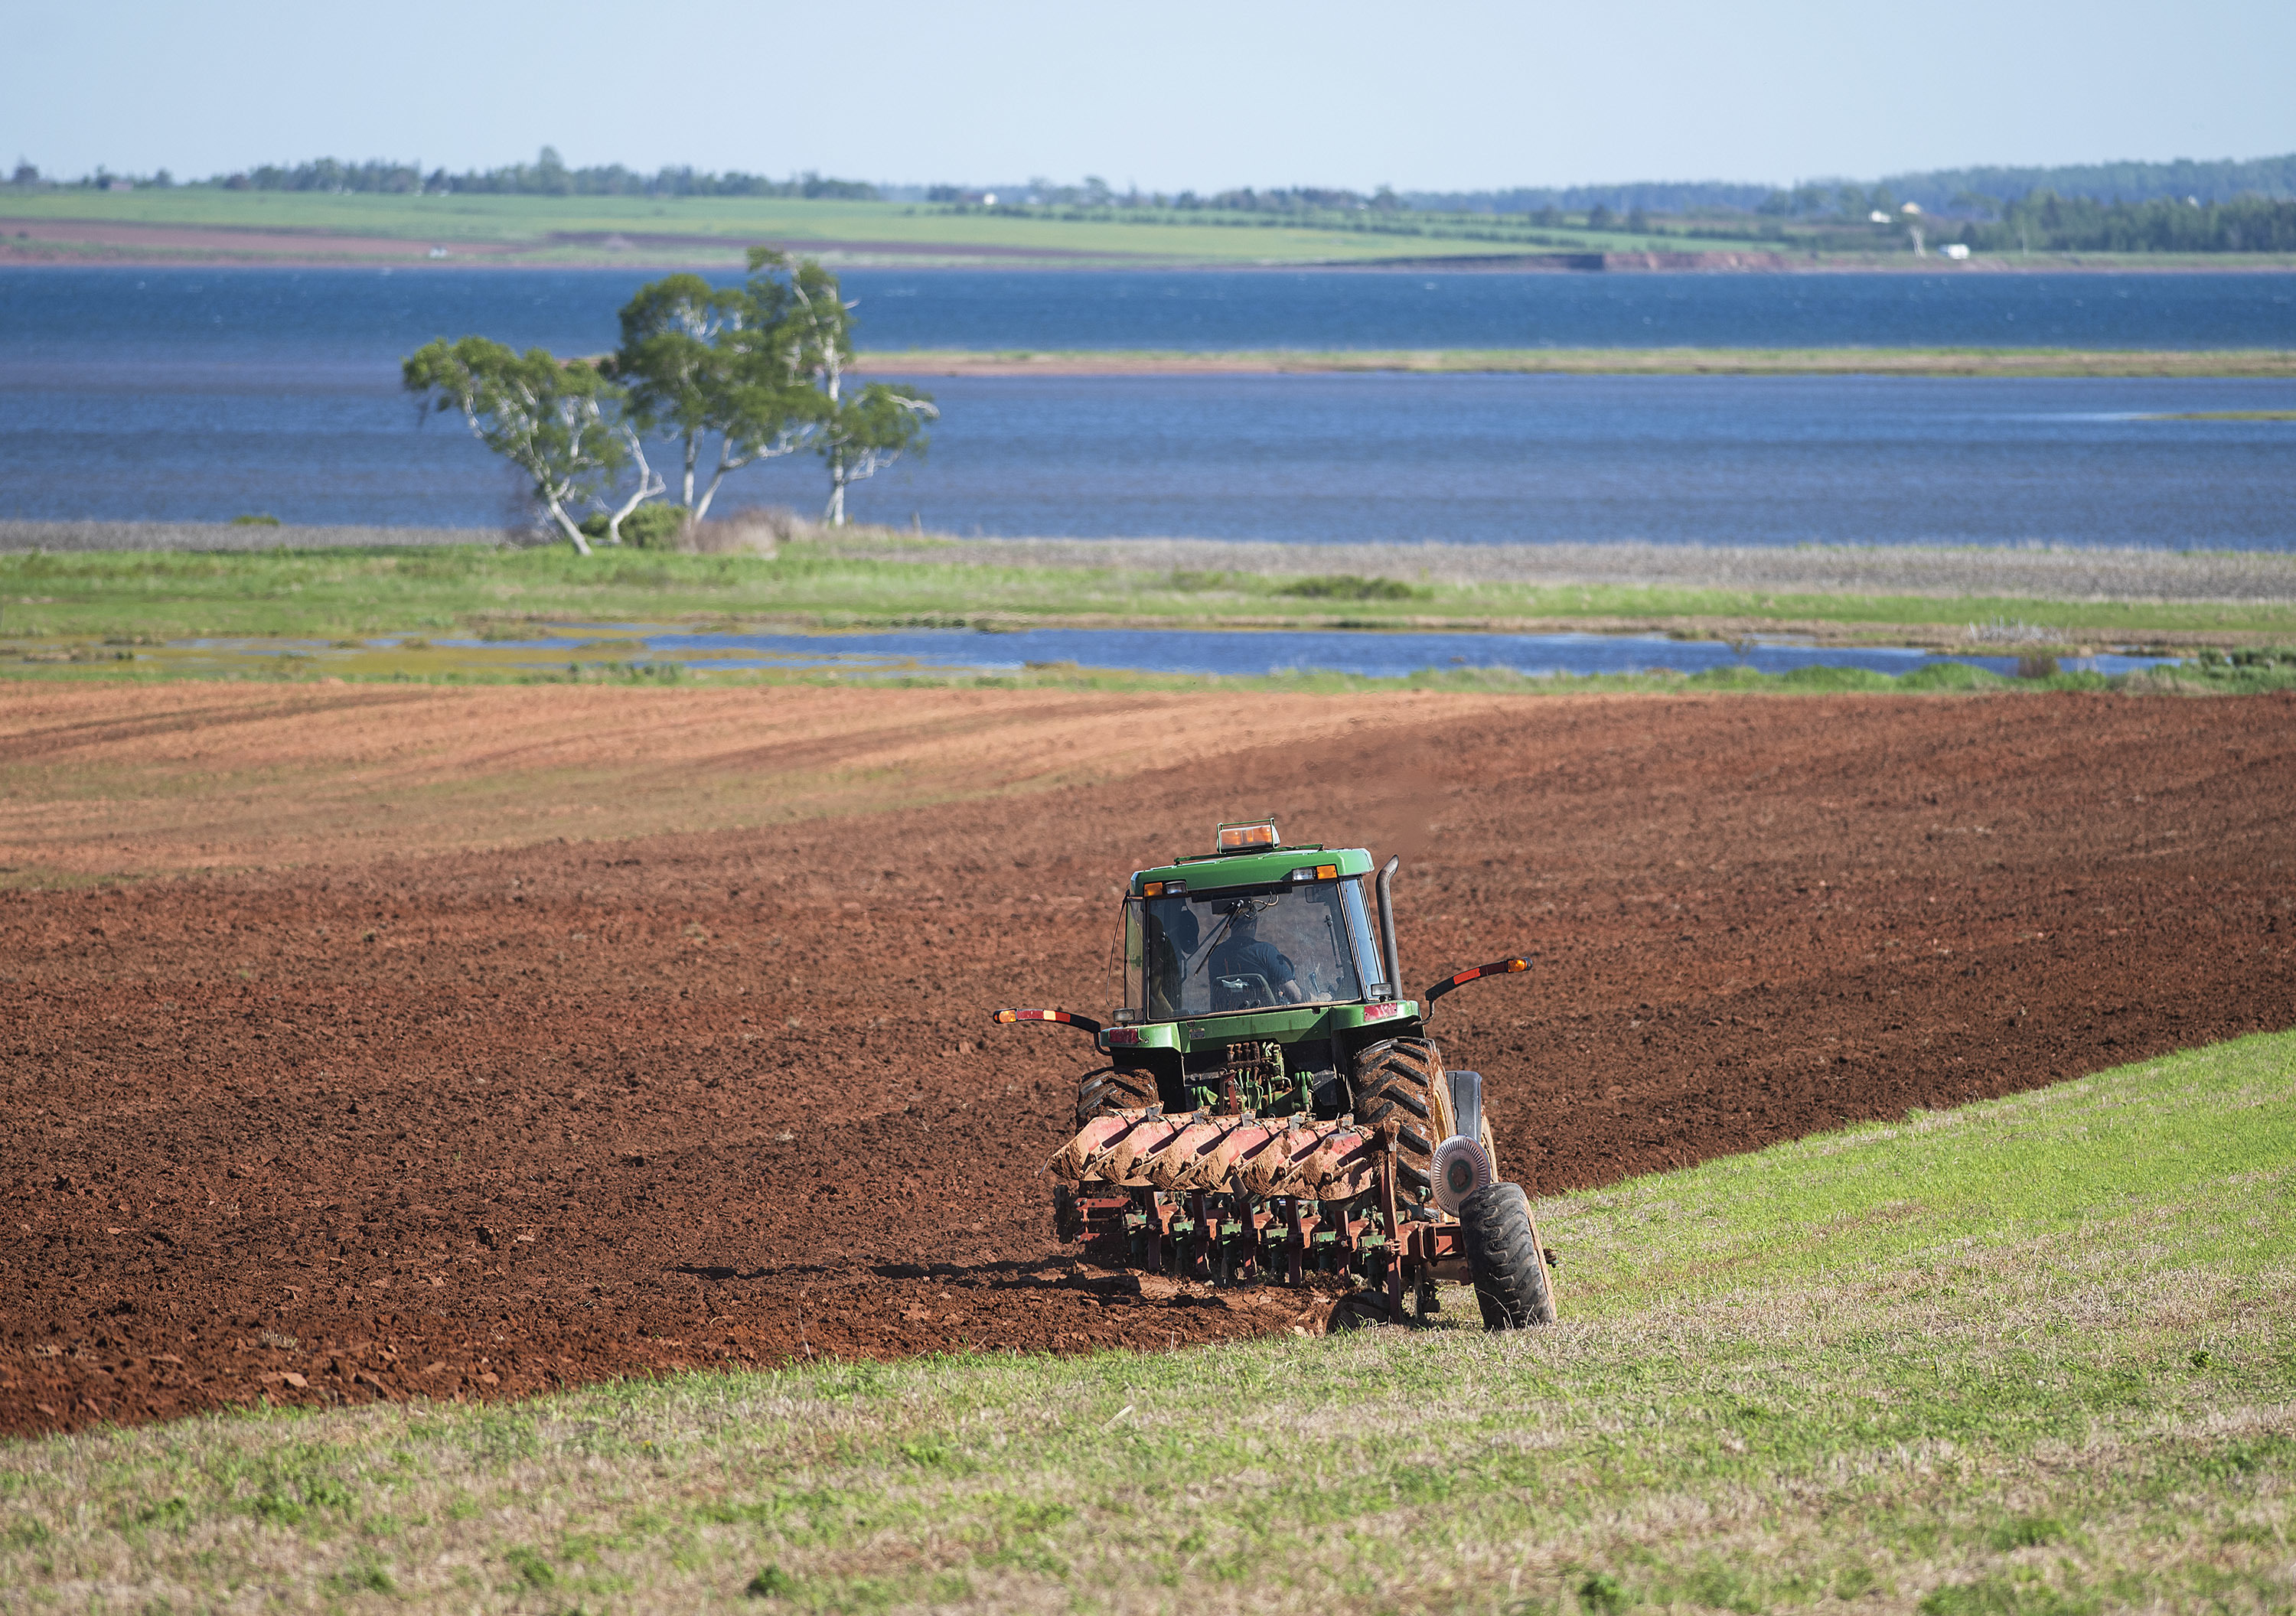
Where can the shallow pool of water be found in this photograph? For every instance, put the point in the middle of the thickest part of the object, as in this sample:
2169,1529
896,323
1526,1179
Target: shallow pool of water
1238,653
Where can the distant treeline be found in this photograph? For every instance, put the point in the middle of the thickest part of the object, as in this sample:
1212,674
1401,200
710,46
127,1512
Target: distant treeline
1950,190
1649,196
546,175
2045,222
2214,181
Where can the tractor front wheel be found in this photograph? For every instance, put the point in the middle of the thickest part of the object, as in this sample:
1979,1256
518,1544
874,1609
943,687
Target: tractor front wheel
1503,1255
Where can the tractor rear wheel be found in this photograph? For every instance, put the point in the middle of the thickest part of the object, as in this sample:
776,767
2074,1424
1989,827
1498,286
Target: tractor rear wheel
1401,1080
1112,1089
1503,1255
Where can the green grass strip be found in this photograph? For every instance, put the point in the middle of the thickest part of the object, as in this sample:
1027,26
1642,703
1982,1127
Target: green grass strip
2032,1355
328,594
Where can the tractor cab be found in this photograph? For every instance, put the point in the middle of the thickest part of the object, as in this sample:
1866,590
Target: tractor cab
1249,929
1245,974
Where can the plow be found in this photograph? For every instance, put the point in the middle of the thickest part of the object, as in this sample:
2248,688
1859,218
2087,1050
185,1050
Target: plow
1272,1109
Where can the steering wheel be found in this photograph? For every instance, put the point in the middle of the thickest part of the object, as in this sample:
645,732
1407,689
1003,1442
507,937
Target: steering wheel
1243,991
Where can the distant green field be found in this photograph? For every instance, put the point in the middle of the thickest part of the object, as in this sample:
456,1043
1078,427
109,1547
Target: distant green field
542,224
711,231
2032,1358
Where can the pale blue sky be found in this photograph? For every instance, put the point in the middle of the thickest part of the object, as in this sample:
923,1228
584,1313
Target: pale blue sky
1175,94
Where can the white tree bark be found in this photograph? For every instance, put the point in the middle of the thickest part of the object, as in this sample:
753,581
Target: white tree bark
649,485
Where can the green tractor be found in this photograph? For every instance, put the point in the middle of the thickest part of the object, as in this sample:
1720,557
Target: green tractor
1272,1109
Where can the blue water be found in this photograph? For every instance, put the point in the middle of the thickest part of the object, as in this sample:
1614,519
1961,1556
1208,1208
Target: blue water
321,316
1227,652
202,394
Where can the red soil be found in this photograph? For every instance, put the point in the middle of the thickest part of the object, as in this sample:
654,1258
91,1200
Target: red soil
474,1124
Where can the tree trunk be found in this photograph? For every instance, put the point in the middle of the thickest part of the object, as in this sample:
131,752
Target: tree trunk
648,485
835,514
566,525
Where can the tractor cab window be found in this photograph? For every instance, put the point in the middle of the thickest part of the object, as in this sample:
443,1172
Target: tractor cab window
1206,953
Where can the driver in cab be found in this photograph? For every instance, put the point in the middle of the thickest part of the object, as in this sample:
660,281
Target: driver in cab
1240,956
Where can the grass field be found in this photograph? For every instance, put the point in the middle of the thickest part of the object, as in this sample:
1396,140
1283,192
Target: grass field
2032,1357
541,226
545,229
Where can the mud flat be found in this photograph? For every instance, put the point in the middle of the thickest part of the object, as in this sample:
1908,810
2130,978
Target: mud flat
366,1043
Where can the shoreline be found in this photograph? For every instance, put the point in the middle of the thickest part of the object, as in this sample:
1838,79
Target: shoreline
43,240
2269,363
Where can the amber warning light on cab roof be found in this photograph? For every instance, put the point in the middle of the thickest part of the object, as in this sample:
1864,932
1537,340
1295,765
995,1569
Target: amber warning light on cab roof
1236,839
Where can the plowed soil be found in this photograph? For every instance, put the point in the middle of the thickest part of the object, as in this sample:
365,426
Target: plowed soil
443,1105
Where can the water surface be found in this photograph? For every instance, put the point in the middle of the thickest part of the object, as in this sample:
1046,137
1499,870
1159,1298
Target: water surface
200,395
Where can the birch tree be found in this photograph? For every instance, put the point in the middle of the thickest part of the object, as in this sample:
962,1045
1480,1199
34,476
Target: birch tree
857,436
864,433
557,423
705,364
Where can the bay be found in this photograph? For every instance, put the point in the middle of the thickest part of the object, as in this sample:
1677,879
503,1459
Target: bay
200,395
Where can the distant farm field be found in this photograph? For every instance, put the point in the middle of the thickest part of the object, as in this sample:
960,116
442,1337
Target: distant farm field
534,229
199,223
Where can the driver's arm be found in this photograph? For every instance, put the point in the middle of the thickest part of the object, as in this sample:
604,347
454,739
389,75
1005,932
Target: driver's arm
1287,980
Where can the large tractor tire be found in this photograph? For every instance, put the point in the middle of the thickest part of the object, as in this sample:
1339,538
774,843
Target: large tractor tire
1401,1081
1504,1257
1110,1089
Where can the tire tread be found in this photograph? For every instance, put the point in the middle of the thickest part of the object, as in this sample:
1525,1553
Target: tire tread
1511,1285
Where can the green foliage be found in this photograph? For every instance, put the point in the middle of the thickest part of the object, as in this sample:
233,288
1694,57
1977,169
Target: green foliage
653,526
2026,1532
2007,1594
532,1567
935,1453
2047,222
722,366
1348,586
254,520
367,1578
771,1582
551,421
1603,1594
171,1512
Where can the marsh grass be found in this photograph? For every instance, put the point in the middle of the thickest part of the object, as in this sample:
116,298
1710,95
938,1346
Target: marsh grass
2032,1355
380,614
348,592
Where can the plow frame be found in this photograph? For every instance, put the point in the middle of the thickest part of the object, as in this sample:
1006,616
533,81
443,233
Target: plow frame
1230,1237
